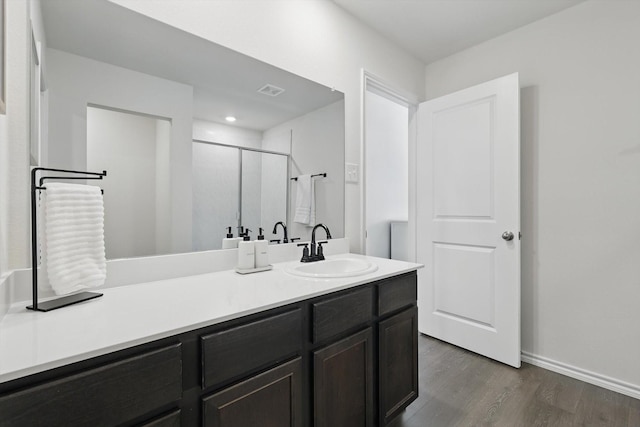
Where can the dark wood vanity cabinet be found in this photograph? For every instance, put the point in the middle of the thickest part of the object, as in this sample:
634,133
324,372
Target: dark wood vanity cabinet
397,345
233,352
116,393
270,399
344,359
343,382
397,363
343,366
169,420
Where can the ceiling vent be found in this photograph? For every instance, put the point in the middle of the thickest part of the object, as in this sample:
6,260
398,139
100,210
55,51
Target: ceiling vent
270,90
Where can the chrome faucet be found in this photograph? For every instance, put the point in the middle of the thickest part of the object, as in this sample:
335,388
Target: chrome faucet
284,229
315,253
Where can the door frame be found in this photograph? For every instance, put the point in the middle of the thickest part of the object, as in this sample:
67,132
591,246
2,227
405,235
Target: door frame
375,84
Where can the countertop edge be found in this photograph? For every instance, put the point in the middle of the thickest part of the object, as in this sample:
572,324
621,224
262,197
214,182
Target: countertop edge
96,351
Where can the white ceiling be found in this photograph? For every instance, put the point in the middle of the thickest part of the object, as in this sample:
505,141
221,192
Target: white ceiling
434,29
225,82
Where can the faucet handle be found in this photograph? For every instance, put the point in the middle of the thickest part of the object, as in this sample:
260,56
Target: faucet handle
305,252
320,253
293,239
275,241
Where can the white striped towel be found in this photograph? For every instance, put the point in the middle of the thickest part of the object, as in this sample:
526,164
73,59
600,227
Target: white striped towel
305,201
73,237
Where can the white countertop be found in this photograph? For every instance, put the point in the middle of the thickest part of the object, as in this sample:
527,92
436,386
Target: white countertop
32,342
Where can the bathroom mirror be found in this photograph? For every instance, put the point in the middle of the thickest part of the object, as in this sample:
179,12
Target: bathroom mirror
105,57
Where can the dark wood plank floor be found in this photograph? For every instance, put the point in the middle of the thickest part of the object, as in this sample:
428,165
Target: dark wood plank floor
460,388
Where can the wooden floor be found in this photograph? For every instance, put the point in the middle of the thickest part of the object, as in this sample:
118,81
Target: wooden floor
460,388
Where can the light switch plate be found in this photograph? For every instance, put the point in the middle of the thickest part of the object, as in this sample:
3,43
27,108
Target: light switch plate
351,172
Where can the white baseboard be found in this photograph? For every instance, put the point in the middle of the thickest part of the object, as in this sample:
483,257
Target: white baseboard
603,381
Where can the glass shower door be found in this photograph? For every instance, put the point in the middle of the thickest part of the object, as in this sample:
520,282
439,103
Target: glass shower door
264,191
216,194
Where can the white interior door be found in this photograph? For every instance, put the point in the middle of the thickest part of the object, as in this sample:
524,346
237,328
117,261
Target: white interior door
468,202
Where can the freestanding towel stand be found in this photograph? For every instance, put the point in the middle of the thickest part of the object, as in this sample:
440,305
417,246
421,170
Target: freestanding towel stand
71,299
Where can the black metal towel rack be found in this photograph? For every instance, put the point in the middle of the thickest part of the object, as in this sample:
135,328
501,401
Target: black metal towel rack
71,299
324,174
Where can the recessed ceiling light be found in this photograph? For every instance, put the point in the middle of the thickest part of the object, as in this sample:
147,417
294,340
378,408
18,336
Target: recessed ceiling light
230,119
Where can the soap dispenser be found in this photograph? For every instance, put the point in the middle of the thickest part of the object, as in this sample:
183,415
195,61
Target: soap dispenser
261,250
229,242
240,235
246,252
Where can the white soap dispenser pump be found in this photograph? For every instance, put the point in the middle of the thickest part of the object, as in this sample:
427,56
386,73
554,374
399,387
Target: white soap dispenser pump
229,242
246,252
240,234
261,250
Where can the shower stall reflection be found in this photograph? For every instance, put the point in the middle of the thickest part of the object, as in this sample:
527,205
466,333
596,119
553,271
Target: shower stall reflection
236,186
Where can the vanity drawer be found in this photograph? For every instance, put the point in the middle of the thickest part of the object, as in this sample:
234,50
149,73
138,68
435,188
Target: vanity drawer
243,349
335,315
169,420
105,396
397,293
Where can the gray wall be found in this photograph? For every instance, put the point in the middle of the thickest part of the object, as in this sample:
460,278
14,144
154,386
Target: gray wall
75,82
580,182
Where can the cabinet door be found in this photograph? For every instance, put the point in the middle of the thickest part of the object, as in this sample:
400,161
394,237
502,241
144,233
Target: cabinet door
398,363
343,382
270,399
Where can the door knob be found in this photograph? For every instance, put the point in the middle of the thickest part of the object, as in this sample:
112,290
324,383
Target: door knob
507,235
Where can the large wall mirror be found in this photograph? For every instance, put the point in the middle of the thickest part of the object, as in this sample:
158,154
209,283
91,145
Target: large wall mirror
149,103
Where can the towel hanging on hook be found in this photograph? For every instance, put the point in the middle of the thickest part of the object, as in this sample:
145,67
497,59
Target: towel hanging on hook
305,212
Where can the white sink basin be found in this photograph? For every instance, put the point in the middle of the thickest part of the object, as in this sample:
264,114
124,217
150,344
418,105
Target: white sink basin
333,268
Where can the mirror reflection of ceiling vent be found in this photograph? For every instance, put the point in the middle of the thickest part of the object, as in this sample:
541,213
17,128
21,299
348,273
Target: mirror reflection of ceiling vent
270,90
